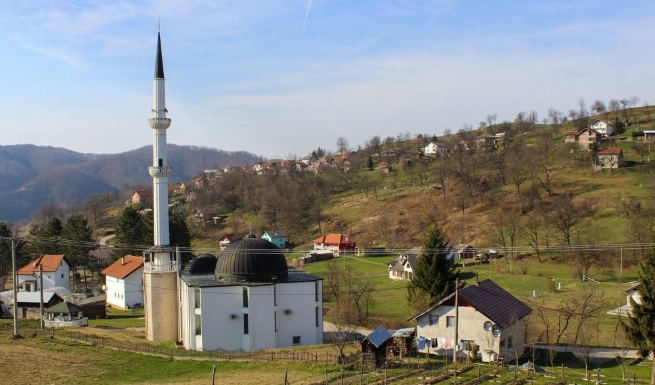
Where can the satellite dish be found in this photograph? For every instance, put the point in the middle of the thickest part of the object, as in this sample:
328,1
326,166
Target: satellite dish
103,287
488,326
496,331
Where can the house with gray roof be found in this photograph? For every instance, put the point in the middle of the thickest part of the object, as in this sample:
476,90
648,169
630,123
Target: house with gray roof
489,322
403,267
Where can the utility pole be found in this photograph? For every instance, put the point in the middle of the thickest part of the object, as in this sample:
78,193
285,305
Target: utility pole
15,279
456,322
41,294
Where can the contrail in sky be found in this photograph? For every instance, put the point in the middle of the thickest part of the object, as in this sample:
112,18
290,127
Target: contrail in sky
309,4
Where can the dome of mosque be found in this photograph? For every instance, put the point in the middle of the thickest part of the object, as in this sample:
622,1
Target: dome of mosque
251,259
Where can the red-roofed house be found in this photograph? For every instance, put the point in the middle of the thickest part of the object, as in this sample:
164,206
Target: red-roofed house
124,282
610,157
55,273
338,243
142,196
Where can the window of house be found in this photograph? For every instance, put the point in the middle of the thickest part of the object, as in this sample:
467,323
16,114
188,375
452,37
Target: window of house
198,318
434,342
196,298
316,291
245,323
274,295
509,343
316,315
296,340
245,297
62,275
275,320
467,344
450,322
434,319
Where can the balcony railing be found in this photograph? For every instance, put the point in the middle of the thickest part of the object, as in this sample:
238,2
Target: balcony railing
159,123
160,171
151,267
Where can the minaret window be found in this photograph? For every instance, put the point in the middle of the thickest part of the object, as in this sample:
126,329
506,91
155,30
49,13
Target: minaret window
245,297
161,163
245,323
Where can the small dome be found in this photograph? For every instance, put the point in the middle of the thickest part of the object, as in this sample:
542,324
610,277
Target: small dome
251,259
204,263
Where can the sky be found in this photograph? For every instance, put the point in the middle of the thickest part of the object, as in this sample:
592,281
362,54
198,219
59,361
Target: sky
279,78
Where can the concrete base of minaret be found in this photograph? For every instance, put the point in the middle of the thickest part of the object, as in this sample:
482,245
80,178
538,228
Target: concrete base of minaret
160,288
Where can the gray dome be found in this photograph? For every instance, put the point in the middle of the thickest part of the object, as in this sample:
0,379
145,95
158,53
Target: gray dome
251,259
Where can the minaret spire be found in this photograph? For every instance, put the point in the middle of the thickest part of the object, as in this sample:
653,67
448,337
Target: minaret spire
159,169
159,65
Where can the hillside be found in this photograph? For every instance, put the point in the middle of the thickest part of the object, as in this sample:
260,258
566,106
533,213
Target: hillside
533,190
31,176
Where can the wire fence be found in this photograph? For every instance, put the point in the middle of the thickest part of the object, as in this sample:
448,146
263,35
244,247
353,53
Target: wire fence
33,329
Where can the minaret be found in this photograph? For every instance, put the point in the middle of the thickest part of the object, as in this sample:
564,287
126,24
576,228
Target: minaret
160,269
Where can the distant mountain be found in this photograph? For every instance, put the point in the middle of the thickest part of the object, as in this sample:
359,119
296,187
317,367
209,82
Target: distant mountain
31,176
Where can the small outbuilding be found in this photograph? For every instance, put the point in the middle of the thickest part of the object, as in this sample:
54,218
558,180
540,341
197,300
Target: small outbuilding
374,347
65,314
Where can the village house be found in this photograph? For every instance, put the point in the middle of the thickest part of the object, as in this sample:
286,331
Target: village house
124,282
464,251
56,269
485,141
603,127
403,267
338,243
226,239
434,149
28,304
276,237
204,216
142,196
609,157
491,323
587,138
570,137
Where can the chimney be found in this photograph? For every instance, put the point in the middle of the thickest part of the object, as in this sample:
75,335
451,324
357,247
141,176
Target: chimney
123,261
477,282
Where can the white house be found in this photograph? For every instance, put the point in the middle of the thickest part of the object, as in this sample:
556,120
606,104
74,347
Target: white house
249,299
490,322
124,282
603,127
55,273
403,267
434,149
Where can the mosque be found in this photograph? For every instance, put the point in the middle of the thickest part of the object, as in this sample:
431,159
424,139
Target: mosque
247,298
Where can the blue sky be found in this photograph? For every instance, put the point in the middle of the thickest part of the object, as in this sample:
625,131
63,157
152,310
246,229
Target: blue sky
280,78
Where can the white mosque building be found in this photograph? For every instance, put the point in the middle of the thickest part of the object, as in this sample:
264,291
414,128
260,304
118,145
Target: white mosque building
247,298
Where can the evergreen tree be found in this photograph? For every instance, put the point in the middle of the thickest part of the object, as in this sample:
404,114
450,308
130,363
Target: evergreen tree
132,235
434,273
639,326
5,246
77,233
45,239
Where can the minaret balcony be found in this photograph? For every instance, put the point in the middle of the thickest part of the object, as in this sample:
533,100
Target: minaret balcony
159,123
160,171
152,267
